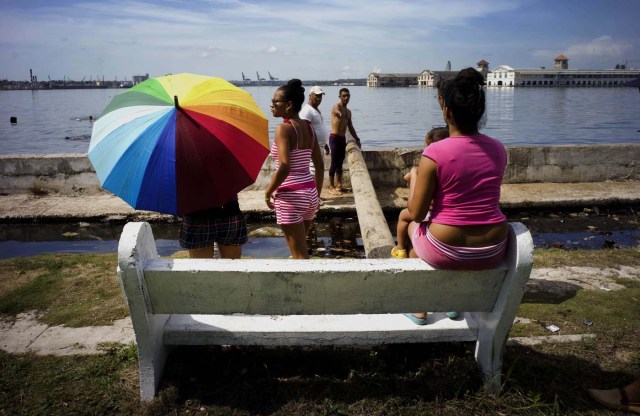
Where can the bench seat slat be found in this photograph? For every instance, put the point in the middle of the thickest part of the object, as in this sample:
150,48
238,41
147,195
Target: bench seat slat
312,330
289,287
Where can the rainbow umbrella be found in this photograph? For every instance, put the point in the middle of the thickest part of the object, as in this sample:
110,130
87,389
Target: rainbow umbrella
179,143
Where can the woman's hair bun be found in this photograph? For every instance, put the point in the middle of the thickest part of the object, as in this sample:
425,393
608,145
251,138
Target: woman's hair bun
294,83
294,92
470,76
464,95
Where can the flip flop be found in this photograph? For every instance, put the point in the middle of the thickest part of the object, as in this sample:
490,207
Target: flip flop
614,399
334,191
399,253
417,321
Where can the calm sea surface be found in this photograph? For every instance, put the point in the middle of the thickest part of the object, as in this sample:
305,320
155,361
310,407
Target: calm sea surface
58,121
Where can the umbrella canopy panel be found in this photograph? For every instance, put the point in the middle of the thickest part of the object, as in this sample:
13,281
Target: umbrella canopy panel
179,144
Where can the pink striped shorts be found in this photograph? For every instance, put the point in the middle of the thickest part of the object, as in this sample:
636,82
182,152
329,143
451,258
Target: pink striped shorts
294,207
444,256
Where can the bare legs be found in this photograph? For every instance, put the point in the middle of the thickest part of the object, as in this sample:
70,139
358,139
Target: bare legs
402,229
226,252
296,237
337,188
412,254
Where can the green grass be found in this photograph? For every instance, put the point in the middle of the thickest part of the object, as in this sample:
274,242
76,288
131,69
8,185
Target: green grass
429,379
587,258
74,290
603,310
73,385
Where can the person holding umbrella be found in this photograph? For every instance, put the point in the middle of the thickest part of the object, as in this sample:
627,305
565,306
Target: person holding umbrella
224,225
293,192
184,144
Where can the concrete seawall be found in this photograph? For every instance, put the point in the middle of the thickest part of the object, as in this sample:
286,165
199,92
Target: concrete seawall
72,174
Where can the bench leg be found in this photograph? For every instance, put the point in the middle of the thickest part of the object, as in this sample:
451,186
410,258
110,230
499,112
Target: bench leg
136,246
149,331
152,355
494,327
489,358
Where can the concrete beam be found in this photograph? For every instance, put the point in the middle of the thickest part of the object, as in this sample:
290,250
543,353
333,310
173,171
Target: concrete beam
376,235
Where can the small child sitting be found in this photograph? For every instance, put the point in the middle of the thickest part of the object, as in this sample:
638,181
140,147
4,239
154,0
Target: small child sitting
402,231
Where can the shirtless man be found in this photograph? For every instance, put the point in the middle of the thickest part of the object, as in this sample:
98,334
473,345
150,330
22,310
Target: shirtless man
340,122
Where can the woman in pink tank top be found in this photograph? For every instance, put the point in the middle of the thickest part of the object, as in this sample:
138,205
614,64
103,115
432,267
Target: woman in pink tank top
461,176
293,192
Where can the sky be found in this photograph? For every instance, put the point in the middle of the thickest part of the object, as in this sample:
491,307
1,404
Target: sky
308,39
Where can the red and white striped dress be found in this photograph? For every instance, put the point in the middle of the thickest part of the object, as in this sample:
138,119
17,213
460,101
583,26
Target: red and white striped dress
296,199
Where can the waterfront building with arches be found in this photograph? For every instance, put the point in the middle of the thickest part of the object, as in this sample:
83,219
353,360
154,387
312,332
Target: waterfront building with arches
505,76
560,76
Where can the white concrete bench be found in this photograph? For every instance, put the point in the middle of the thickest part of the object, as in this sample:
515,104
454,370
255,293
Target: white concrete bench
314,302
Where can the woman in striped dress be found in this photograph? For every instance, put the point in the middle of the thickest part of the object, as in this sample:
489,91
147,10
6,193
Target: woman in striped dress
293,192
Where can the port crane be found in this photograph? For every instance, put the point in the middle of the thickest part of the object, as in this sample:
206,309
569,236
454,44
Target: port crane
258,77
245,78
271,77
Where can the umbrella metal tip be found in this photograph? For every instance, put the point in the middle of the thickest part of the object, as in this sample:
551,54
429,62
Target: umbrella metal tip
175,100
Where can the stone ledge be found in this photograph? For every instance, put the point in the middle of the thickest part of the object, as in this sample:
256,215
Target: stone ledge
106,207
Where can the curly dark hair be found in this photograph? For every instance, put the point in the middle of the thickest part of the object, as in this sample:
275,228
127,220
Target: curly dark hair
293,91
464,96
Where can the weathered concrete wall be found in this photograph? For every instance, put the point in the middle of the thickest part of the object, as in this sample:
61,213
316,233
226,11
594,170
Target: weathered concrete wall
66,174
562,164
577,163
72,173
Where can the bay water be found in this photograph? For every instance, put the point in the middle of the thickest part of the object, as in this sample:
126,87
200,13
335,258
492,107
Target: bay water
60,121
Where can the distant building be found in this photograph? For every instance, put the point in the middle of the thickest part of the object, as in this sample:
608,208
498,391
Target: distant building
505,76
483,68
429,78
559,76
137,79
561,62
376,79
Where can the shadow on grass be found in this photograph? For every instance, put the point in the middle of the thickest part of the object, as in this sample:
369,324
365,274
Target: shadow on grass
437,378
549,291
558,379
262,380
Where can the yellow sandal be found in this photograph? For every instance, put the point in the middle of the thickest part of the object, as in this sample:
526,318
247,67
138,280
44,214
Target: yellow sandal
399,253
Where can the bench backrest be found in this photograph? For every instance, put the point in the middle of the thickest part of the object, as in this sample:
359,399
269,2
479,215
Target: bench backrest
334,286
